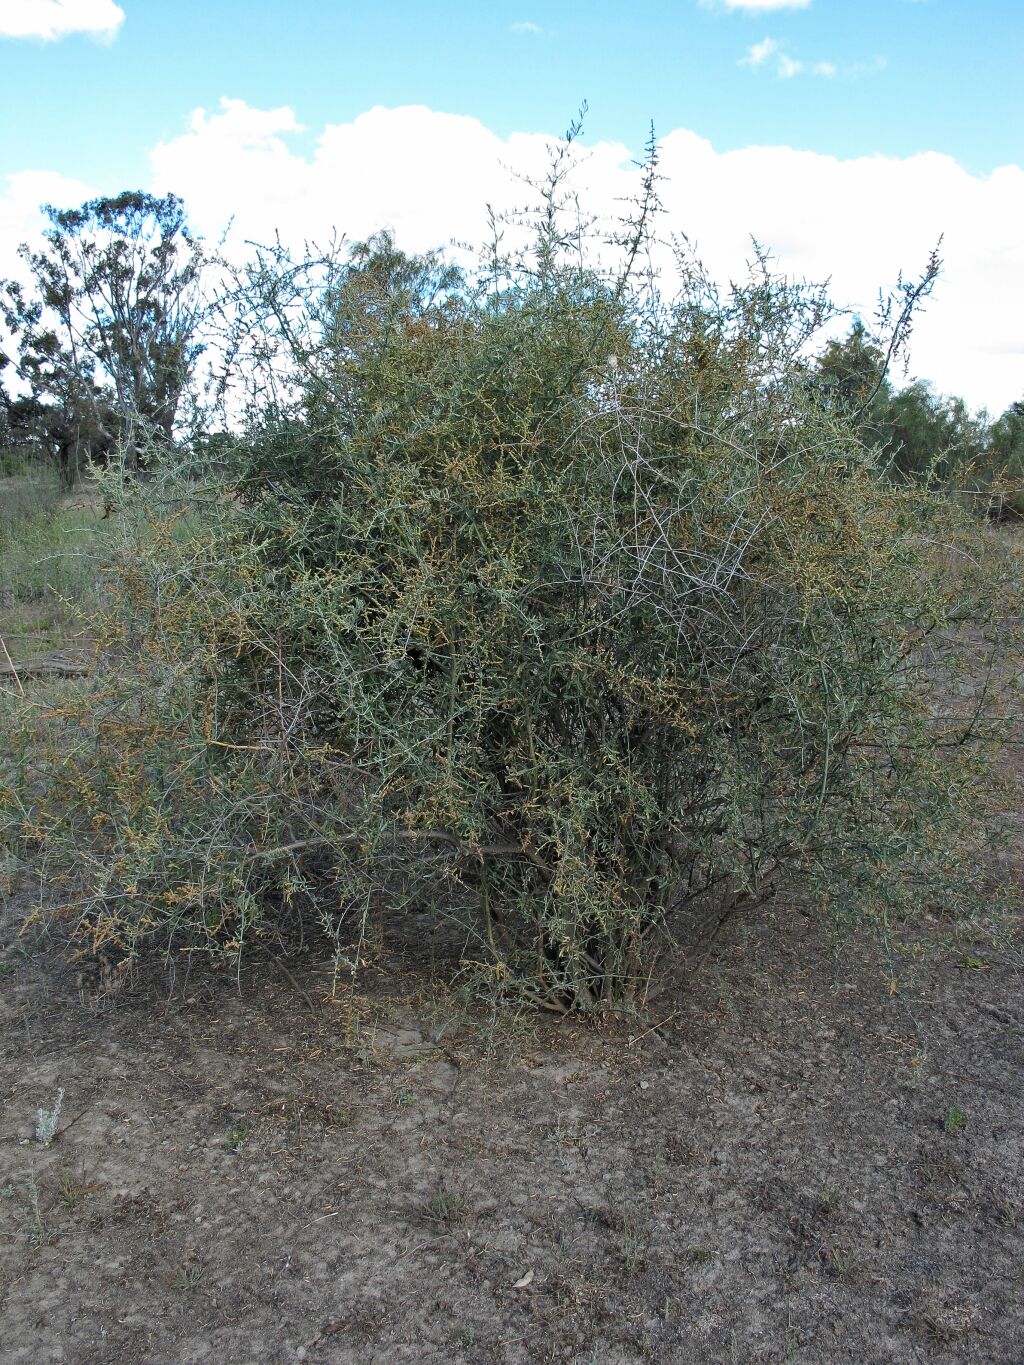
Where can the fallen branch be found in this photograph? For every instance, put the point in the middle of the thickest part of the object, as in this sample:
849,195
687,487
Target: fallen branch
58,667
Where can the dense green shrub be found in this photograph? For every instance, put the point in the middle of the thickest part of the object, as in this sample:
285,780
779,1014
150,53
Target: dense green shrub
921,437
566,607
1001,465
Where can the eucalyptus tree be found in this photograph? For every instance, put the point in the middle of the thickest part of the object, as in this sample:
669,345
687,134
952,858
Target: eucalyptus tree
106,325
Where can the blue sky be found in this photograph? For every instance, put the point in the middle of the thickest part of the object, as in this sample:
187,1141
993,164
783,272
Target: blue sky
897,112
942,75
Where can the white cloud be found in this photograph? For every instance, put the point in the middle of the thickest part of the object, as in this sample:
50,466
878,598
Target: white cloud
525,27
755,6
21,216
429,176
767,51
221,154
859,221
870,67
758,53
52,19
788,67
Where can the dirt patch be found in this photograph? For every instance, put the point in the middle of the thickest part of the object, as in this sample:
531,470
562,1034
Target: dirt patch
814,1156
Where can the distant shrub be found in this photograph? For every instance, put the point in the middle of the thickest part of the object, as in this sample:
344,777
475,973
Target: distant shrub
563,605
920,437
12,463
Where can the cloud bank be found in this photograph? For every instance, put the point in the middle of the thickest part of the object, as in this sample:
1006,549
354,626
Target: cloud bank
429,176
53,19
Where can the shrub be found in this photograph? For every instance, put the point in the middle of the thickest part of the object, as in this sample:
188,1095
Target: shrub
565,606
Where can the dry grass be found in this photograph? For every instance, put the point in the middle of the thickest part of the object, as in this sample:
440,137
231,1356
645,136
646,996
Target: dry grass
50,544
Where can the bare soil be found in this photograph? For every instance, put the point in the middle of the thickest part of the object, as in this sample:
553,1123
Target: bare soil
814,1156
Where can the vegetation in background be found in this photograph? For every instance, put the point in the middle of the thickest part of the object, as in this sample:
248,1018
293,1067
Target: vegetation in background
921,437
51,551
105,337
1002,460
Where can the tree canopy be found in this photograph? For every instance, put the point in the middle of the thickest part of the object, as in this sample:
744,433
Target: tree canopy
106,329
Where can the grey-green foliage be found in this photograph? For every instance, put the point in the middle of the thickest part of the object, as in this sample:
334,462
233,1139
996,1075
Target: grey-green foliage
47,1120
562,604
